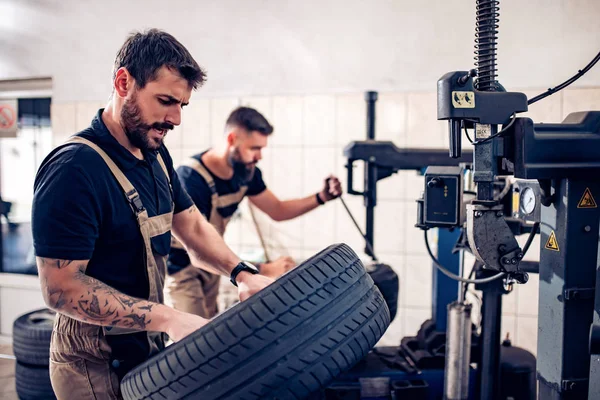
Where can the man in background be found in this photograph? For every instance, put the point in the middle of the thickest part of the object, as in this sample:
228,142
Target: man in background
217,180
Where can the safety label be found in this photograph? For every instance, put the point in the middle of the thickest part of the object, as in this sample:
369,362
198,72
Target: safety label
483,131
587,200
463,99
552,243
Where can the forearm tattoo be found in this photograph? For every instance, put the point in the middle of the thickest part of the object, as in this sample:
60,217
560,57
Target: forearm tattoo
94,301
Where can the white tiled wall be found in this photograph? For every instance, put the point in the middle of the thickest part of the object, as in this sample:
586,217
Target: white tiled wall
310,133
423,129
196,125
84,113
288,121
63,119
219,110
319,121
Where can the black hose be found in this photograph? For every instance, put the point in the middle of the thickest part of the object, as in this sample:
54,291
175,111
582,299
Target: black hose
454,276
369,246
566,83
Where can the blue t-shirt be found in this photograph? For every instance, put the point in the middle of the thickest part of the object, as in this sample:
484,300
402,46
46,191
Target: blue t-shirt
81,213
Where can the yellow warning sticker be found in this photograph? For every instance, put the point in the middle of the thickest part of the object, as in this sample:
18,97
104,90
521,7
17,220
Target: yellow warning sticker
587,200
552,243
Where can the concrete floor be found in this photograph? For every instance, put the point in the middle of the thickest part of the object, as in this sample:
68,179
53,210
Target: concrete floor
7,375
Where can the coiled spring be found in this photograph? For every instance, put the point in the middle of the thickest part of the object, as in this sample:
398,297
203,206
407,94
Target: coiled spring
486,36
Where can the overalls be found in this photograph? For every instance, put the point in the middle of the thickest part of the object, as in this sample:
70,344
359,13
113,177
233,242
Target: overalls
80,356
192,289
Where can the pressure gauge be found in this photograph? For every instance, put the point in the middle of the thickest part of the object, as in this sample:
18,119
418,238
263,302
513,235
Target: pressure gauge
528,200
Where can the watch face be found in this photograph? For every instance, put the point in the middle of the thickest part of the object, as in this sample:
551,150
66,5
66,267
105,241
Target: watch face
528,200
249,266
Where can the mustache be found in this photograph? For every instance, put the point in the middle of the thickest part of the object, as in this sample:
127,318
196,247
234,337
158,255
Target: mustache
161,126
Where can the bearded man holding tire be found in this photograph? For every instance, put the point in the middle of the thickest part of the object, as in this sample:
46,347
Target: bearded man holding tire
105,206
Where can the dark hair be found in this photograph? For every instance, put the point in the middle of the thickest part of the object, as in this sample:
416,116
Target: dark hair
144,53
249,119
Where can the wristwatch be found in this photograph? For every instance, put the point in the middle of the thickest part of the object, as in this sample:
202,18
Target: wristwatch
242,266
319,199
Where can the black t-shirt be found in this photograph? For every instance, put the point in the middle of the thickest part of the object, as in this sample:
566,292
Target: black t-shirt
81,213
201,194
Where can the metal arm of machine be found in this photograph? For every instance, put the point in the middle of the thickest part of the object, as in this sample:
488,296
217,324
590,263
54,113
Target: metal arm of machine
389,159
534,147
382,159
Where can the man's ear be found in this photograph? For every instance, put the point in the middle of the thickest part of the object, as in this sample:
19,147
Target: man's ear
231,138
124,82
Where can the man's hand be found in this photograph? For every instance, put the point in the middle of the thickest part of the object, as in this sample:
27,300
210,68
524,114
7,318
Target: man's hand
278,267
249,284
183,324
332,189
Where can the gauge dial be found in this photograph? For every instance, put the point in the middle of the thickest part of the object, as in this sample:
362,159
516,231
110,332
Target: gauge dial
528,200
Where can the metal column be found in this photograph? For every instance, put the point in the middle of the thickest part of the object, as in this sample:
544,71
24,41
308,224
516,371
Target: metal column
445,289
594,387
370,178
568,262
491,313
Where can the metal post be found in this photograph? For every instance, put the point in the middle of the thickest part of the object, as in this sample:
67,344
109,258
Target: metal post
568,263
491,311
2,240
594,388
458,352
371,98
370,203
370,178
444,289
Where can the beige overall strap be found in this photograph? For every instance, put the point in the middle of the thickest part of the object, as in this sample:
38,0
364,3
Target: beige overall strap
214,217
128,188
138,208
164,167
218,201
231,198
200,169
159,225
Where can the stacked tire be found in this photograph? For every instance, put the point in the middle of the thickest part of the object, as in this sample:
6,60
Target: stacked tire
31,347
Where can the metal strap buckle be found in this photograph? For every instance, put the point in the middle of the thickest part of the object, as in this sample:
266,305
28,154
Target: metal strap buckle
135,201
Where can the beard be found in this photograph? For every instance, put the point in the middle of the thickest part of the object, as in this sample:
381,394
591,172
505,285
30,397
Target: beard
137,130
243,170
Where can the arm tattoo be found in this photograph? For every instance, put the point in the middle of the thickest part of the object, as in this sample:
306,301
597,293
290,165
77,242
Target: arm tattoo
92,309
137,320
94,285
58,264
192,209
97,302
56,297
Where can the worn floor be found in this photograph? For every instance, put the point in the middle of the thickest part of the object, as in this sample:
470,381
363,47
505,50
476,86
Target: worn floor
7,375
